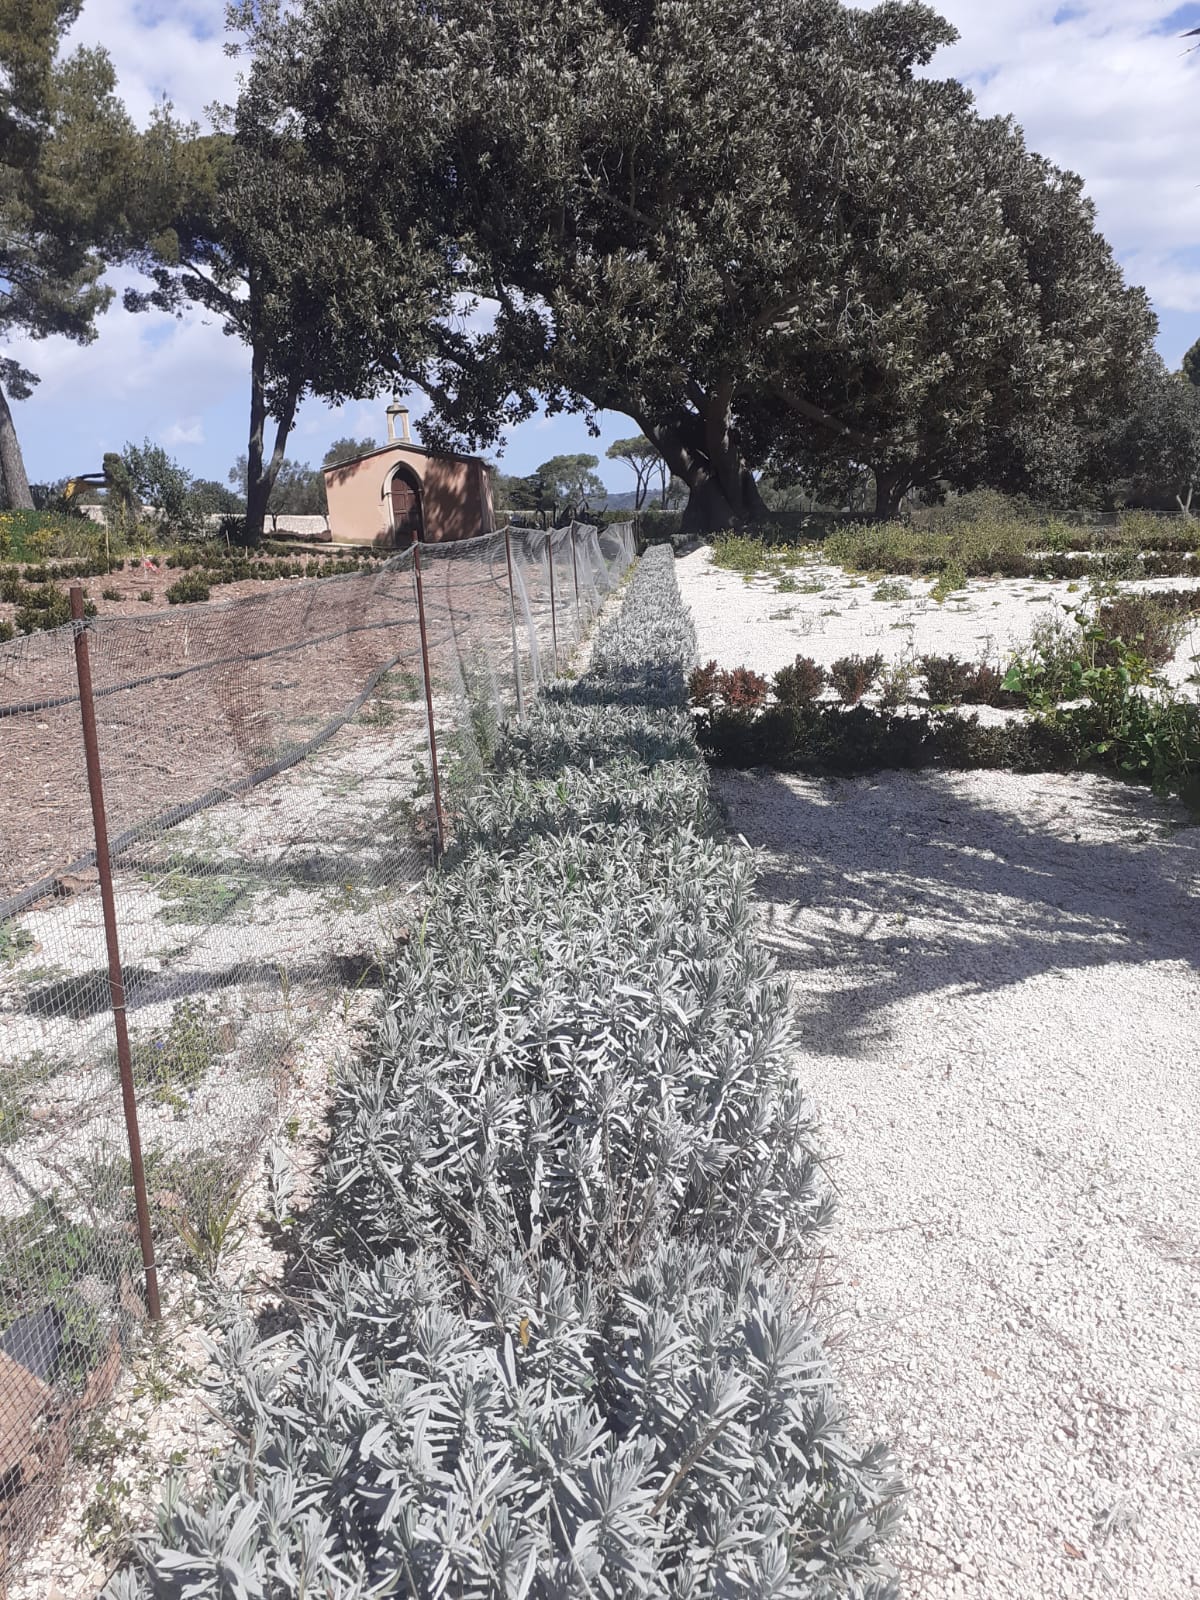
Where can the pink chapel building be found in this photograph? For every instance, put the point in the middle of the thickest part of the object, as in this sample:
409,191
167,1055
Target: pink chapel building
402,491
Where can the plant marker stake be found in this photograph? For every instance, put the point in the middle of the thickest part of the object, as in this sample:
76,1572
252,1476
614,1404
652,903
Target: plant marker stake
553,611
512,616
116,980
440,820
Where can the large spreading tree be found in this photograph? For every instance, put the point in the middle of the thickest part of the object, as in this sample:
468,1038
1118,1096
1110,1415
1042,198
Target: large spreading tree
67,187
761,231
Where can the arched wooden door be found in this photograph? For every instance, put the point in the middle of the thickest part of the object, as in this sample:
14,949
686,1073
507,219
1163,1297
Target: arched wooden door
407,522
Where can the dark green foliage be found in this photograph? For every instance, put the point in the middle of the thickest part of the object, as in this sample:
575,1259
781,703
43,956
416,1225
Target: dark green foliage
800,684
45,605
555,1350
1143,623
1127,724
44,1254
831,741
185,590
994,537
67,188
347,449
855,676
950,682
663,224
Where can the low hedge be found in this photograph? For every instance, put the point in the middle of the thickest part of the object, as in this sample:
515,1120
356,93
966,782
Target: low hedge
557,1349
1153,740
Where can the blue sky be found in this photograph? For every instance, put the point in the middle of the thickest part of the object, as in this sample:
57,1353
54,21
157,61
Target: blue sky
1101,86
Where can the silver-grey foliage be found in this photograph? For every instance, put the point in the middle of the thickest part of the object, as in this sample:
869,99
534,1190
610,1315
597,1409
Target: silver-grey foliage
555,1351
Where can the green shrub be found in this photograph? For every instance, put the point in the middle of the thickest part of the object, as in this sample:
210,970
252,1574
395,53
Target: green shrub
1141,622
45,605
1126,722
750,555
833,741
1046,669
949,681
896,683
800,683
38,535
7,631
191,588
855,676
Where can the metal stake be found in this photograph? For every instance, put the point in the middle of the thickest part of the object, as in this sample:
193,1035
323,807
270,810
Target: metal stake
512,616
575,570
553,608
439,816
116,980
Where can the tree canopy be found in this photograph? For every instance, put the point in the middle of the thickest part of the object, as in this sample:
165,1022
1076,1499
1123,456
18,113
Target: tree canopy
1152,455
643,459
571,482
764,233
68,192
297,490
347,450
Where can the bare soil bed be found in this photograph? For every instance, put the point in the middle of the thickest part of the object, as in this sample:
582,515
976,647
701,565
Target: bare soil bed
206,695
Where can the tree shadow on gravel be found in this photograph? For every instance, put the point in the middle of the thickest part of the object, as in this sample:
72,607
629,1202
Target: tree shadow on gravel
908,886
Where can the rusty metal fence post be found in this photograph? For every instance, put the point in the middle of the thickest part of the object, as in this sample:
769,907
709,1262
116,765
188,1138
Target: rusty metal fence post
512,617
116,977
439,817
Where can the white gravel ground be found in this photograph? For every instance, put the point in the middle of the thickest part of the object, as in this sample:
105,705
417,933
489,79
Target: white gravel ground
831,613
997,990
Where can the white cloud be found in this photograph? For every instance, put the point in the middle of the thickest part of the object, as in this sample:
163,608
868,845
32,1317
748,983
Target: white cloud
1173,281
181,381
176,50
1110,95
189,432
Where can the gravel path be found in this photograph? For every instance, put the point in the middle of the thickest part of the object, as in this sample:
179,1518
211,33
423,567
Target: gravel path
998,990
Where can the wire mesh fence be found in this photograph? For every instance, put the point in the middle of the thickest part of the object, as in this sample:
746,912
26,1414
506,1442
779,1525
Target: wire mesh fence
272,770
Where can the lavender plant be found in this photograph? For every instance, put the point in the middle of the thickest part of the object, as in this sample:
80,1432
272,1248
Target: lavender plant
555,1351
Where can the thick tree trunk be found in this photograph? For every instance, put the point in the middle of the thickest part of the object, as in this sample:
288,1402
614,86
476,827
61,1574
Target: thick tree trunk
890,489
711,508
260,474
12,463
701,448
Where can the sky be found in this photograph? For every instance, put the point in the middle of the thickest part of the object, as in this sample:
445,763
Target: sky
1104,87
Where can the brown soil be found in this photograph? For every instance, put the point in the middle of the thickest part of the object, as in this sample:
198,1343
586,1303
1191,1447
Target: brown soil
192,698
